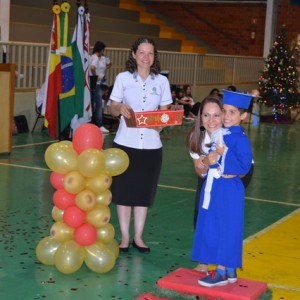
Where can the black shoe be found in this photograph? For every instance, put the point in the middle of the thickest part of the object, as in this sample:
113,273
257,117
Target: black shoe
124,249
141,249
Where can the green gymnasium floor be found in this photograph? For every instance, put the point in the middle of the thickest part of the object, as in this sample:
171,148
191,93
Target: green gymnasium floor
272,223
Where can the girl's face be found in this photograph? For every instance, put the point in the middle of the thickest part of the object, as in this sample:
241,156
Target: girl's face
144,56
211,117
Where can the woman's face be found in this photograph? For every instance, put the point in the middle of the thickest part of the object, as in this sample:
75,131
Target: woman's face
211,117
144,56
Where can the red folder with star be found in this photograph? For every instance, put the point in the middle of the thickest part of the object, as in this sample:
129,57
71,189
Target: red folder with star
156,118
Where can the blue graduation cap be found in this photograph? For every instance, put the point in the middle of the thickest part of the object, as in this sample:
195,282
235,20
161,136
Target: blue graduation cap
239,100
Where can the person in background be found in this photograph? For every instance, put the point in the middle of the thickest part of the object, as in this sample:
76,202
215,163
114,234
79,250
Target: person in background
215,93
174,93
140,88
109,120
231,88
98,66
186,99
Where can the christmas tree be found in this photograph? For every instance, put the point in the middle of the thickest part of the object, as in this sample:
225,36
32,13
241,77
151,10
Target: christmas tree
295,49
279,82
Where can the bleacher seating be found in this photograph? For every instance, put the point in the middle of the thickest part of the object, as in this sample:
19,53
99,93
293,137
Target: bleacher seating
113,22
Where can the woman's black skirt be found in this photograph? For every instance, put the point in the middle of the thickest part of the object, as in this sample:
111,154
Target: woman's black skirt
137,185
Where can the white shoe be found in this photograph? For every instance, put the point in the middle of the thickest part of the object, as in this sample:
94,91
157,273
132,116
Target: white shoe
104,130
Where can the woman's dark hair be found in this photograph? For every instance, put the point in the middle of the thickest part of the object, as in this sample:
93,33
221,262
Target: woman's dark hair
131,65
185,88
98,47
214,90
231,88
196,135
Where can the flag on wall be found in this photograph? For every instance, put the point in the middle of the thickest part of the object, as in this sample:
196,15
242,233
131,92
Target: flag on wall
53,82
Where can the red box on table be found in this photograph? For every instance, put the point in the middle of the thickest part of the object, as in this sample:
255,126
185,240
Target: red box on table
156,118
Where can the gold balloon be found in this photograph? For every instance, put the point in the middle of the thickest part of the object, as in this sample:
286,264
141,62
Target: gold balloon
91,162
57,214
69,257
67,144
61,232
99,215
61,157
113,245
74,182
98,184
46,249
99,258
85,200
116,161
104,197
106,233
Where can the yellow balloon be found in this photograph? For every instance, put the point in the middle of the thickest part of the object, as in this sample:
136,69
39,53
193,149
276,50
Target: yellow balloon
61,157
98,184
91,162
61,232
74,182
113,245
57,214
85,200
106,233
69,257
116,161
46,249
99,258
99,215
104,197
67,144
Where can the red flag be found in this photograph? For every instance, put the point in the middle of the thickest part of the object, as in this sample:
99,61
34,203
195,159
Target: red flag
54,76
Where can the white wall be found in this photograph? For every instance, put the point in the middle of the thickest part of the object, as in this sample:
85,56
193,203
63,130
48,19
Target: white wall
4,19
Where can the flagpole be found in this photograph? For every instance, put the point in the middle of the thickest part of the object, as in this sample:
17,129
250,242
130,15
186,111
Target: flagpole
58,119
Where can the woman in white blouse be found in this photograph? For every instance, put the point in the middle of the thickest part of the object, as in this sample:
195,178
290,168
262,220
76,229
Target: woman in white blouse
140,88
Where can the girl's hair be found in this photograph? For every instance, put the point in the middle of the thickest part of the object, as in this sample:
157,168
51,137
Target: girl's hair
98,47
196,135
131,65
185,88
214,90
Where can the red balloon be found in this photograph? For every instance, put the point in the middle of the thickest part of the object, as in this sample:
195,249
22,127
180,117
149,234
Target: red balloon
85,235
74,216
62,199
87,136
57,180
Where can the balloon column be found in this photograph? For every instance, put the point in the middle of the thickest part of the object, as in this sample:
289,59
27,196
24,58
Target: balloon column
81,175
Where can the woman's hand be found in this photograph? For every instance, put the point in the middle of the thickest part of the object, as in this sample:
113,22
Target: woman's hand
118,108
201,165
220,149
125,110
212,157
